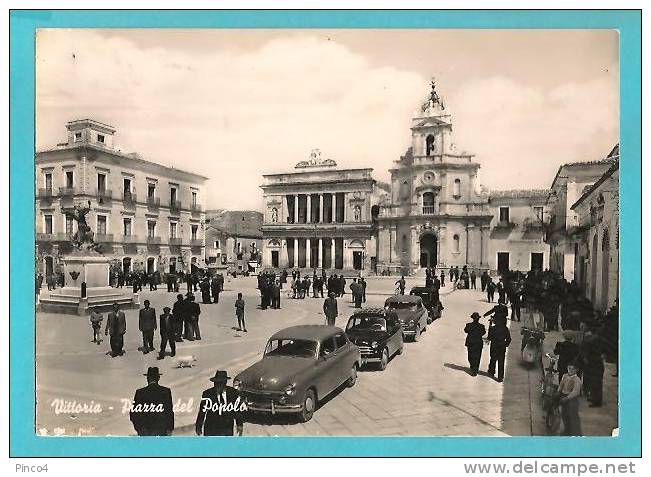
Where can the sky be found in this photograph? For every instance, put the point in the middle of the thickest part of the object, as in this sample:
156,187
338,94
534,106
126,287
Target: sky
236,104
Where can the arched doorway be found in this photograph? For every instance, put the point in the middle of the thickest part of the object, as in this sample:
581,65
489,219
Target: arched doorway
605,261
428,256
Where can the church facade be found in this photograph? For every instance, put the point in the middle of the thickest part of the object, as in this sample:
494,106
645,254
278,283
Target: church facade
437,214
434,213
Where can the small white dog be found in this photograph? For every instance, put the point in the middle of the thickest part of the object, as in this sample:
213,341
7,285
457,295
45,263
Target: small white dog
185,361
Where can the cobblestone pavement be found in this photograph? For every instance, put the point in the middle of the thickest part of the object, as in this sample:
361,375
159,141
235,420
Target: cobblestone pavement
425,391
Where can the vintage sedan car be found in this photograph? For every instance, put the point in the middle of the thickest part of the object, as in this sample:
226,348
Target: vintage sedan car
430,301
377,333
301,365
411,312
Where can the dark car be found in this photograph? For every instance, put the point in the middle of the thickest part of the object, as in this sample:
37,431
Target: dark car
431,301
411,312
301,365
377,333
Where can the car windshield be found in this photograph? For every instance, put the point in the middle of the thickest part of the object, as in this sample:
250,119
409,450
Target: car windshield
289,347
402,305
375,323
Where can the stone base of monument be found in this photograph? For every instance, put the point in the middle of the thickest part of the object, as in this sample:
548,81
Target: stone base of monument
86,286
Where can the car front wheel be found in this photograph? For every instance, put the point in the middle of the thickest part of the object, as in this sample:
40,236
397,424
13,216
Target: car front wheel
417,334
309,405
384,360
352,379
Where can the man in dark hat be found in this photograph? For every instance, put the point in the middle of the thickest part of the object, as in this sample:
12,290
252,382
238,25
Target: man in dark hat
147,325
500,338
116,327
474,342
194,310
330,309
188,331
151,411
167,333
178,311
500,312
220,407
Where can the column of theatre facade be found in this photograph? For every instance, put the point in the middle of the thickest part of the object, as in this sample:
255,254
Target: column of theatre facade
307,228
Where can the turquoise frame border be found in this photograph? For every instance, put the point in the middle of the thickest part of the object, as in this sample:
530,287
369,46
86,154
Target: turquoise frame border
23,442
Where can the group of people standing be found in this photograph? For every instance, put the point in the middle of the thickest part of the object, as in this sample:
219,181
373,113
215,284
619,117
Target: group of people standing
220,411
176,324
498,336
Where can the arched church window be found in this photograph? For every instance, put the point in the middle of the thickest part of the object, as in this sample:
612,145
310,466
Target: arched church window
456,191
405,191
455,244
357,213
274,215
429,145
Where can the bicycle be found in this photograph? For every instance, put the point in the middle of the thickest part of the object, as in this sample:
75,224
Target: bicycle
549,391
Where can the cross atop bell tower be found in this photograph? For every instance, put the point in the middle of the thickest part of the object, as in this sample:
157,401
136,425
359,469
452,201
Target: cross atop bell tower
434,101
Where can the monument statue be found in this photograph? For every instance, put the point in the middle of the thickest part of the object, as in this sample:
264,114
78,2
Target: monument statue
83,239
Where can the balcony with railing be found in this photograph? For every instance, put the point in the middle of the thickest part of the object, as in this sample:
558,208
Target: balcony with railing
505,224
176,241
45,193
67,191
153,203
153,240
196,209
104,195
130,239
129,199
534,223
45,237
103,238
429,210
196,242
175,206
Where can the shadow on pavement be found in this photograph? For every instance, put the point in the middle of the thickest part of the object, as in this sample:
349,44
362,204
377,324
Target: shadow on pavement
456,367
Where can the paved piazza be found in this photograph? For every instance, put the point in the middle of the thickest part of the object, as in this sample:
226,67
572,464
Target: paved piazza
425,391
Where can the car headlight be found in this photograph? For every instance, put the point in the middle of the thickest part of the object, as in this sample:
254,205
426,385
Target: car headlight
237,383
374,344
290,390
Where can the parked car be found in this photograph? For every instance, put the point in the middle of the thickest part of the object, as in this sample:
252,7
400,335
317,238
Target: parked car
430,301
301,365
411,312
377,333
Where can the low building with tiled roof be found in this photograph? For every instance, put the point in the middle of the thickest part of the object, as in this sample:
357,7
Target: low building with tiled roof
572,181
233,238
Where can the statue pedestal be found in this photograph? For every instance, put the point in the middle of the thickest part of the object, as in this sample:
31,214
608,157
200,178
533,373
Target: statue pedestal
92,269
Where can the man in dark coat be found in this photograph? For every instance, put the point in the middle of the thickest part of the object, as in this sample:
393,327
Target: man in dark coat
178,311
401,284
490,290
194,310
473,279
500,312
330,309
593,367
147,325
220,407
204,286
167,329
500,338
188,331
484,280
474,342
151,412
362,283
567,352
356,292
275,295
215,289
116,326
442,278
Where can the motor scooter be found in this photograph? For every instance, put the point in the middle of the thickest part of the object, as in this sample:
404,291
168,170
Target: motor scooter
532,345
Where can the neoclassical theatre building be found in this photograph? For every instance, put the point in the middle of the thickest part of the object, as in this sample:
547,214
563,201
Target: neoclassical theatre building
434,212
318,216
